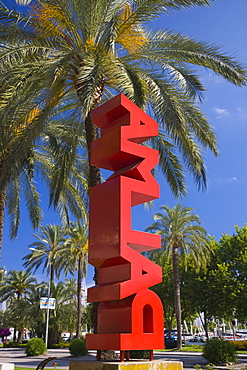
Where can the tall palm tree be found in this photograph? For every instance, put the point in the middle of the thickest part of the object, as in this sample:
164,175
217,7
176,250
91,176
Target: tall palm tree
93,49
74,254
36,316
181,234
16,285
46,251
58,320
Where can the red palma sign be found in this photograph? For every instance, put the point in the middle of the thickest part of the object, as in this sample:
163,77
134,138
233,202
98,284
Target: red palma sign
130,316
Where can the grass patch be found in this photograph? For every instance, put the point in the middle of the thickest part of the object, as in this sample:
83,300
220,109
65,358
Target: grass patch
186,348
22,368
192,348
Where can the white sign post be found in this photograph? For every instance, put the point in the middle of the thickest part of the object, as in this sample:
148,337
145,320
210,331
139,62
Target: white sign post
51,306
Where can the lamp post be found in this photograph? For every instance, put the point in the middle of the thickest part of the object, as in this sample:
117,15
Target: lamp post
47,313
48,301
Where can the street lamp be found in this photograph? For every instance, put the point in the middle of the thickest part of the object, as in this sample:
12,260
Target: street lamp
48,303
47,312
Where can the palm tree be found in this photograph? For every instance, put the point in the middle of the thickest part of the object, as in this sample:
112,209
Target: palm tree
70,288
181,234
69,196
16,315
93,49
21,163
74,256
19,172
49,240
58,320
36,317
17,284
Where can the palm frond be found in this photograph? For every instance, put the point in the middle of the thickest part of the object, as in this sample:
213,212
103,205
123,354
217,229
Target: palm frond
170,164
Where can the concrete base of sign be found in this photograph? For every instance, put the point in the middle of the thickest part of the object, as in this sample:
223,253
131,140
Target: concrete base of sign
128,365
7,366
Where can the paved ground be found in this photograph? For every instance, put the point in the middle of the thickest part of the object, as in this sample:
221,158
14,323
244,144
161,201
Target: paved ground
189,359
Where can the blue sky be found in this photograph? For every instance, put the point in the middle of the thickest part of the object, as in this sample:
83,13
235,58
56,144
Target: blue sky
224,203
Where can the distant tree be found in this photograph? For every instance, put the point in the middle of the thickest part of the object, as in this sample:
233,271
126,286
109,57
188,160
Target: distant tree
46,251
58,317
73,255
220,291
231,255
37,316
17,285
69,311
87,317
165,291
182,235
209,293
17,316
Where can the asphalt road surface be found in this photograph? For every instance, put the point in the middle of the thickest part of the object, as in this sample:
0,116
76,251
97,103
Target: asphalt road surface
189,359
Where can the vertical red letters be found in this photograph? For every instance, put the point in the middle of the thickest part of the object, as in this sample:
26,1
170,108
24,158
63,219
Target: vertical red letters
130,316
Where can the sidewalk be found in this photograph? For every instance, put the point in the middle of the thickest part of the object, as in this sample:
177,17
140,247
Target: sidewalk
63,357
18,357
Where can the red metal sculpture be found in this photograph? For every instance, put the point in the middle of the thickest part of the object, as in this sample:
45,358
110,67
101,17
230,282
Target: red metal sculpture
130,316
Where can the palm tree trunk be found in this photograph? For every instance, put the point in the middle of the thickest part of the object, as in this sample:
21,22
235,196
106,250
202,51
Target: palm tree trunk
94,179
204,323
79,306
94,172
14,335
176,283
91,129
91,135
2,208
52,274
20,335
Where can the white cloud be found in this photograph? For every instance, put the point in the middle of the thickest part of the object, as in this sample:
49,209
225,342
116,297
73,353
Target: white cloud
233,180
221,113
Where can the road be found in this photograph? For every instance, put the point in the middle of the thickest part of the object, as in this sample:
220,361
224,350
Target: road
189,359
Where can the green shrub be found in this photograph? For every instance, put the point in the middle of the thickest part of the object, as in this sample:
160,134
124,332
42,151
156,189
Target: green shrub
35,347
78,347
60,345
239,345
140,354
11,344
219,351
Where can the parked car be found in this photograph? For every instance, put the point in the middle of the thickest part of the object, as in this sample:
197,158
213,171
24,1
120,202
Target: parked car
170,342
